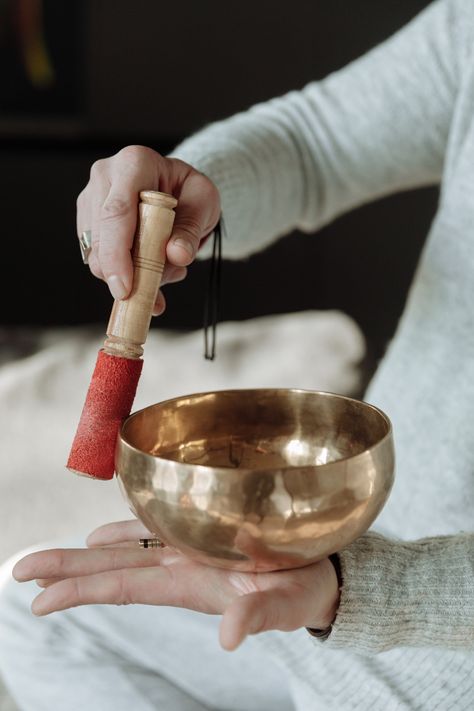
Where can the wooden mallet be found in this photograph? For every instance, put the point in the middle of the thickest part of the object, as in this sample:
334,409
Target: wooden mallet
119,364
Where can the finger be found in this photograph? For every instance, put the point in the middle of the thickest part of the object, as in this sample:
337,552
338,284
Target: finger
197,214
66,563
145,586
121,587
182,583
172,274
88,210
117,224
83,223
94,264
166,558
160,304
101,188
254,613
133,169
118,532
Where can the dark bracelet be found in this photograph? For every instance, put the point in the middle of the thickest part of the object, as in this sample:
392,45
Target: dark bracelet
324,633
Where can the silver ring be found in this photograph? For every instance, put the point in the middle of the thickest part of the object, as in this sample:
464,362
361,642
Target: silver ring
85,243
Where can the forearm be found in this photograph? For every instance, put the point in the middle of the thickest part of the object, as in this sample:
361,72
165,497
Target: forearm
377,126
417,594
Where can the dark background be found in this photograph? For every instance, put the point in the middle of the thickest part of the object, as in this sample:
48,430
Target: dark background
150,72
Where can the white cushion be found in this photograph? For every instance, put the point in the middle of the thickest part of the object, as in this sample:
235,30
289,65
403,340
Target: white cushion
41,398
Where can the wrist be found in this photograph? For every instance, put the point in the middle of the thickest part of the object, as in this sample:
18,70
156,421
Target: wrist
321,627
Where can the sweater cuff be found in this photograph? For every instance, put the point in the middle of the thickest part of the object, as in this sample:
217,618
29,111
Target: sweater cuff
404,594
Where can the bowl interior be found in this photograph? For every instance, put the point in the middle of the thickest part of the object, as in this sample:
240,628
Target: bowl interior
256,429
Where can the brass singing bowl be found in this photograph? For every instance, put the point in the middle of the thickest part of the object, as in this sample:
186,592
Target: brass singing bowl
257,480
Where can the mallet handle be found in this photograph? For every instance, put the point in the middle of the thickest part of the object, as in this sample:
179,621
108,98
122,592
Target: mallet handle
130,319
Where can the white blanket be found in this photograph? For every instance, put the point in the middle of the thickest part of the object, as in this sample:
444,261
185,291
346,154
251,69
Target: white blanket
41,398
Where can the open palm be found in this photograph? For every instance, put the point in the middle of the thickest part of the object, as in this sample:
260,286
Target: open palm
113,570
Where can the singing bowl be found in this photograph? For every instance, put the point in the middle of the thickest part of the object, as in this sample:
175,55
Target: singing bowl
257,480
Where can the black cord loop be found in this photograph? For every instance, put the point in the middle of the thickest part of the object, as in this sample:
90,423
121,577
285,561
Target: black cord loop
212,305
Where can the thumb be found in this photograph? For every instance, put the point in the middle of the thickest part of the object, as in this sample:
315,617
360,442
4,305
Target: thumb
254,613
197,214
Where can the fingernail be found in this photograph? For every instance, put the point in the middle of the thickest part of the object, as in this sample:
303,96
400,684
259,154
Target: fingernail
185,244
117,287
38,611
37,607
158,310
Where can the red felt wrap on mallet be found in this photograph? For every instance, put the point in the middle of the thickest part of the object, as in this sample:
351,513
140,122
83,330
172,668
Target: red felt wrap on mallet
109,401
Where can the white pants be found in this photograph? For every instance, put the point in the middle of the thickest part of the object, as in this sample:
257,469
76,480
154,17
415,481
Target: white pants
107,658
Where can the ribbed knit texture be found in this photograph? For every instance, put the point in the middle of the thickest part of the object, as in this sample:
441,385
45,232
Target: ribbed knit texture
401,116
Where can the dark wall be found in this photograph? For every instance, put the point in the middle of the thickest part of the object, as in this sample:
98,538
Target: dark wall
168,68
148,72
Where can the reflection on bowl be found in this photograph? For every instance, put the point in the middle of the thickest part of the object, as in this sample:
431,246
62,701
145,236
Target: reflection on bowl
257,479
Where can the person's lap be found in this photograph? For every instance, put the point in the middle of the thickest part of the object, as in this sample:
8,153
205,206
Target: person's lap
108,657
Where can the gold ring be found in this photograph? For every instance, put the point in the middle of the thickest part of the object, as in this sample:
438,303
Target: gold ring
85,243
151,543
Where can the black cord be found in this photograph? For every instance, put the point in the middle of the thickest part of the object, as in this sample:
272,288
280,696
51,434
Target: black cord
211,305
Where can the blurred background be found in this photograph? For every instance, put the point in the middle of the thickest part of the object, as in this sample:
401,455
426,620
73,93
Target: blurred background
83,78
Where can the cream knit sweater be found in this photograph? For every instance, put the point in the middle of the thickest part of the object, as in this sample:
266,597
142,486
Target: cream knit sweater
400,117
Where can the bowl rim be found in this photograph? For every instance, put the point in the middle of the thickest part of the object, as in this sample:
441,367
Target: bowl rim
122,440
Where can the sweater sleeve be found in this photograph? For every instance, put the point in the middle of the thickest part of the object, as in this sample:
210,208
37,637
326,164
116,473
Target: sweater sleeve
378,126
394,593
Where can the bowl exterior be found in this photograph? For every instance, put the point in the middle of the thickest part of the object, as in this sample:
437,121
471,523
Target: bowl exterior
258,520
